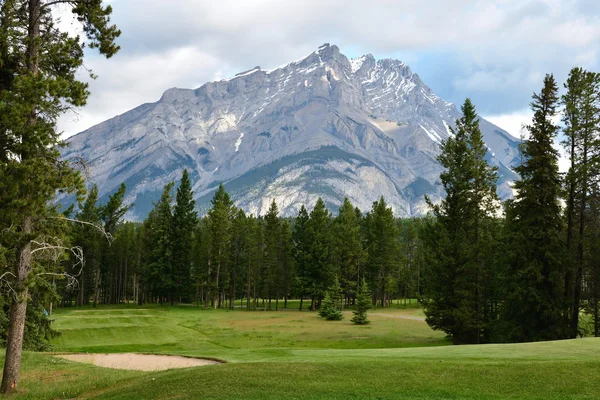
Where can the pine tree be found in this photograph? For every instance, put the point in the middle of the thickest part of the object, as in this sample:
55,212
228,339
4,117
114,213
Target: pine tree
219,241
331,308
319,262
382,249
90,240
534,306
37,84
301,253
363,304
184,222
348,252
161,246
273,248
582,130
111,215
459,239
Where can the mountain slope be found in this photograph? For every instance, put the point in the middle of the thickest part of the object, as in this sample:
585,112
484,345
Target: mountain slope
323,126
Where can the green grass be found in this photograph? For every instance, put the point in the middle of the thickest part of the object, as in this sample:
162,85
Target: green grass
296,355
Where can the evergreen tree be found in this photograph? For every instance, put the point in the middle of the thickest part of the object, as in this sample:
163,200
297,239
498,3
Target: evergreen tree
111,215
160,225
348,252
287,271
331,308
460,237
90,240
301,253
534,305
219,241
581,130
38,84
319,263
382,249
273,248
184,222
363,304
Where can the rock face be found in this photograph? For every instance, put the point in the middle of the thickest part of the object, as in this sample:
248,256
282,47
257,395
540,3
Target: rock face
325,126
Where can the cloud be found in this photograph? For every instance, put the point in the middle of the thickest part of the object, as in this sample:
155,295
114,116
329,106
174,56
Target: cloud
494,51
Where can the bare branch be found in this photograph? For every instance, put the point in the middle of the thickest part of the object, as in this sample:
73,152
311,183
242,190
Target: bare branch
104,233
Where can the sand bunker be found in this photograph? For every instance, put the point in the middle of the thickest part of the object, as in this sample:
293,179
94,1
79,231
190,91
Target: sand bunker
140,362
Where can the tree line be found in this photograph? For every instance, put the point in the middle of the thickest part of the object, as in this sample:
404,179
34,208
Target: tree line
485,271
228,258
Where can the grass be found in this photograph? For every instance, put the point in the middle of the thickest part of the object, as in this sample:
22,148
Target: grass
296,355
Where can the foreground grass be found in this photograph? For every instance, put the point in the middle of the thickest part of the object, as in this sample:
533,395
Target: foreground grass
295,355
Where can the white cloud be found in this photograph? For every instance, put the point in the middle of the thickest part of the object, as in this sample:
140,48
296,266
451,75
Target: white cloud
496,51
512,122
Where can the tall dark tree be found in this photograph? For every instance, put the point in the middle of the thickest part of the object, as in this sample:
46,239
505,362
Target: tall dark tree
459,239
301,254
37,86
89,239
273,249
348,251
382,248
160,226
535,303
582,141
111,215
219,240
184,222
319,261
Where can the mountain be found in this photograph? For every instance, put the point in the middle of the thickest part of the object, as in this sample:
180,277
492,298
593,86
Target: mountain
324,126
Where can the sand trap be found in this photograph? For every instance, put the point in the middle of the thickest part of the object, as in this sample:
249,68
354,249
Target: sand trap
139,362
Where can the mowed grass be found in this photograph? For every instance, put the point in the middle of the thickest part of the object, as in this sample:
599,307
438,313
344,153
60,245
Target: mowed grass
296,355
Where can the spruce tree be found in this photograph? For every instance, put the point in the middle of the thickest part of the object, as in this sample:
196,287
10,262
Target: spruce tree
90,240
184,222
582,137
161,250
363,304
331,307
534,306
219,233
301,254
382,248
319,261
348,252
459,238
273,248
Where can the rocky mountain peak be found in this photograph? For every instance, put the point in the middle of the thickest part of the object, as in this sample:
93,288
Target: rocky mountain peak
324,126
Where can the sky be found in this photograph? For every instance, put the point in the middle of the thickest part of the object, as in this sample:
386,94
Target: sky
496,52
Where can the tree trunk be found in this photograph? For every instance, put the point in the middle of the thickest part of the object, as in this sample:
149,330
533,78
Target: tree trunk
18,312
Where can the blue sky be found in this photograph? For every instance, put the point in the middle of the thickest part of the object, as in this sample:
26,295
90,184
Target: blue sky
496,51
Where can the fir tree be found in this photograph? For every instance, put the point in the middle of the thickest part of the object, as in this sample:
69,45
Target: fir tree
273,248
459,240
331,308
319,263
91,242
184,222
301,253
161,245
363,304
582,141
348,252
382,248
219,241
534,305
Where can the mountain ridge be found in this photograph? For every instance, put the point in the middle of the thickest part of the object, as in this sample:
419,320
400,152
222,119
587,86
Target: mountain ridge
283,122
